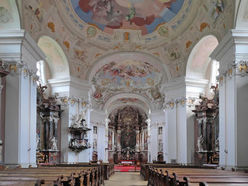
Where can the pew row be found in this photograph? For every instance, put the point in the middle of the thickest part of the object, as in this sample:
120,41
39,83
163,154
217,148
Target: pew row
195,177
70,174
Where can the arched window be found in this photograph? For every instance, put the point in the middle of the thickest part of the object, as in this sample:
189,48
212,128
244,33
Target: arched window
200,66
40,65
56,64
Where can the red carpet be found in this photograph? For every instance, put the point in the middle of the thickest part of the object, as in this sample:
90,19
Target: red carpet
121,168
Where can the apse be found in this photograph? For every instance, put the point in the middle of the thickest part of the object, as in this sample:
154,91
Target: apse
127,135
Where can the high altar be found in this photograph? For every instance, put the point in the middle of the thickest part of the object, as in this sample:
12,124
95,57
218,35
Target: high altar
127,136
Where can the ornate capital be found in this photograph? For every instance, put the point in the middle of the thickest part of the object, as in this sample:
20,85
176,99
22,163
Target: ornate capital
170,104
181,101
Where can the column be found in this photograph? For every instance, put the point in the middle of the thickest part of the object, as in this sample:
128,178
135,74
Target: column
119,142
137,140
232,53
176,119
181,127
20,52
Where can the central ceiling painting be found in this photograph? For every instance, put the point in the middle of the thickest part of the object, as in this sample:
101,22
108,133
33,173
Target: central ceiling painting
144,15
127,74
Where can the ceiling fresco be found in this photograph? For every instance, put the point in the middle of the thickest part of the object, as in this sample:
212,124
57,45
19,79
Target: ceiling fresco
144,15
127,74
89,33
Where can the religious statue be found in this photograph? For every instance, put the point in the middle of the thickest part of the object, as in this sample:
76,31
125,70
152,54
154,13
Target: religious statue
200,143
79,121
37,141
53,143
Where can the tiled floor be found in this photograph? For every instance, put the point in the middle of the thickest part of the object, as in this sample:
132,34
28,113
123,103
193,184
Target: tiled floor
126,179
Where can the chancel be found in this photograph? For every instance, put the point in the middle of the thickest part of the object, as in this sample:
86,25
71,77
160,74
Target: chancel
99,92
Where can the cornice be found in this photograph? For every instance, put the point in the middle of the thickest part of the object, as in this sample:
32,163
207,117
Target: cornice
70,81
15,42
174,84
200,83
231,39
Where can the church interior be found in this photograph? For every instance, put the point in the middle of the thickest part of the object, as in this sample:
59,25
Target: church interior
102,92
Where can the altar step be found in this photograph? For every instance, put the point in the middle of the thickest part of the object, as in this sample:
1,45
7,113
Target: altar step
125,168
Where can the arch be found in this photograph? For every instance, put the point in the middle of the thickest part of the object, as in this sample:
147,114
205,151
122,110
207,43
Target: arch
198,64
114,102
241,18
55,58
129,55
10,18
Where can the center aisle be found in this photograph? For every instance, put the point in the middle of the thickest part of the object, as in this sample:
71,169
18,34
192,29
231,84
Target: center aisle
126,179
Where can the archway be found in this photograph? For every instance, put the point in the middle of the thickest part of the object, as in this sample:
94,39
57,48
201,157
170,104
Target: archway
48,133
200,67
201,73
56,66
128,135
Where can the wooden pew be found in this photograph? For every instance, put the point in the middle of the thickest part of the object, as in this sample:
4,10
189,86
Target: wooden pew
194,176
105,170
145,168
83,174
54,175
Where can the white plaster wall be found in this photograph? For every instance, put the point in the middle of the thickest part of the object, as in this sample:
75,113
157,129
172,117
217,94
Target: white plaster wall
20,130
12,119
231,122
172,134
176,119
64,134
190,135
165,139
17,47
97,118
33,121
74,88
24,124
242,128
182,133
153,144
233,148
157,120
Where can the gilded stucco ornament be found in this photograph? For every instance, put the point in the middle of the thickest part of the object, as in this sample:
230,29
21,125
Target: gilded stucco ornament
181,101
191,101
241,68
170,104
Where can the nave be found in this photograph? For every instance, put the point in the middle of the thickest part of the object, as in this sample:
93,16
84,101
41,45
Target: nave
163,84
126,179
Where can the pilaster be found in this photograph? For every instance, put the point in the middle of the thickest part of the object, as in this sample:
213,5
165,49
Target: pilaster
232,53
176,118
20,53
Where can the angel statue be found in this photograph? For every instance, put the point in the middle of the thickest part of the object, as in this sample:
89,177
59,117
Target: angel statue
78,120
